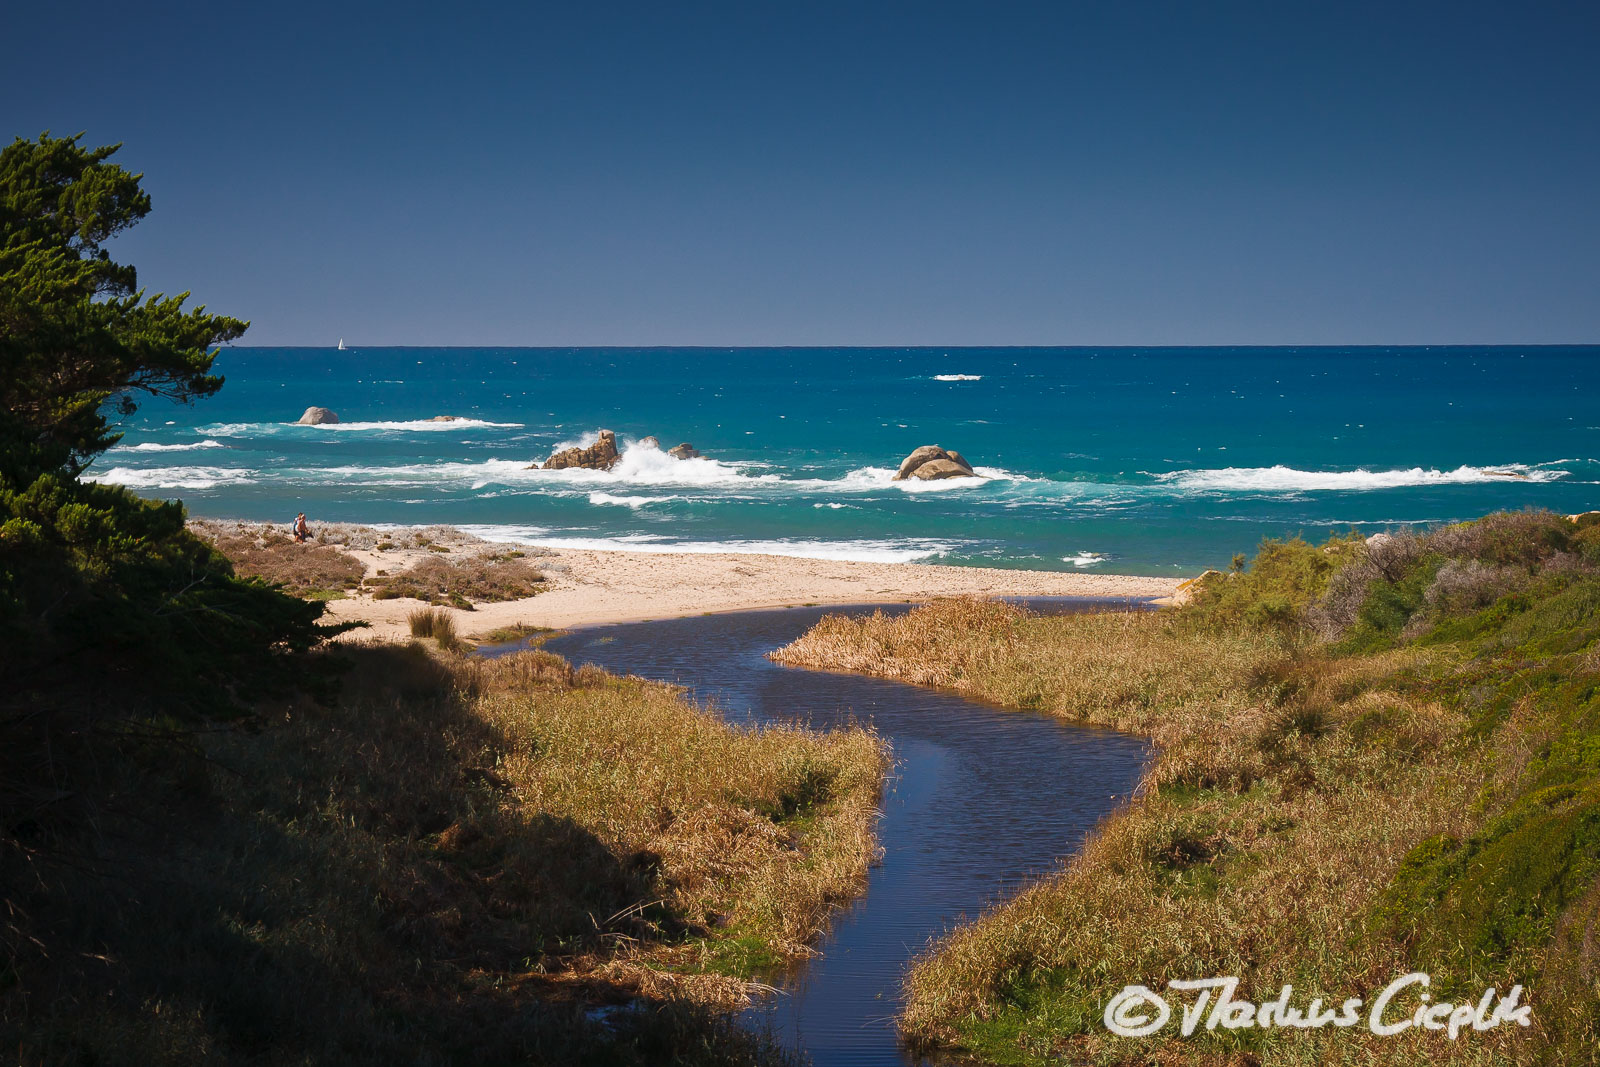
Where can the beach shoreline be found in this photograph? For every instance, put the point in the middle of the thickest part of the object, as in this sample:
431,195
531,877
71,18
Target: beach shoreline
590,587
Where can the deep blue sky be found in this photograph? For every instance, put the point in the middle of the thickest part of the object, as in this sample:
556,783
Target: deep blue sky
752,173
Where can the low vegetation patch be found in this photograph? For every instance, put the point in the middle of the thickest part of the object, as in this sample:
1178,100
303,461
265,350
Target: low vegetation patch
309,570
461,581
436,623
453,863
1373,757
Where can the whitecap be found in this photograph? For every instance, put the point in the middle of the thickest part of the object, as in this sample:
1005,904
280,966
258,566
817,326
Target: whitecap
958,377
1085,559
151,446
269,429
629,501
908,550
1278,479
175,477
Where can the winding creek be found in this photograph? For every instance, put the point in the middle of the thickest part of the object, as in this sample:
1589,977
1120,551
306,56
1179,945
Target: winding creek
983,800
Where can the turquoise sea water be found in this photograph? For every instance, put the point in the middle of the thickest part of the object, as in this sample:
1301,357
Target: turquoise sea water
1155,461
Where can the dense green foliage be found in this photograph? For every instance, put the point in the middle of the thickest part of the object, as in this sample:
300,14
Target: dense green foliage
120,633
75,331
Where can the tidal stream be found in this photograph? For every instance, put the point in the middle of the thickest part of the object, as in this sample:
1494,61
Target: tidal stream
983,800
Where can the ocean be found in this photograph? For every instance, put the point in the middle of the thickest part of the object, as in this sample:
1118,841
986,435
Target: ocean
1104,460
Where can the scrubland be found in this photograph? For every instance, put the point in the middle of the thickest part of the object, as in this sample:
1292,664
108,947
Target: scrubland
434,564
1371,759
454,860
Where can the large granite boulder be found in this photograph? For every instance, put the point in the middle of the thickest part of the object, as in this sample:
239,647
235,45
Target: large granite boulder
650,442
931,463
684,451
316,416
936,469
600,456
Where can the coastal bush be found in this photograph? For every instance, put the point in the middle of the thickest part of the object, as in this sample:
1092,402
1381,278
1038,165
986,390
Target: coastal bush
460,582
306,570
455,863
125,641
1274,588
1371,758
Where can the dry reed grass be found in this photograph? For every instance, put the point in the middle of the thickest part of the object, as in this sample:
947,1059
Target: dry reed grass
449,865
1285,790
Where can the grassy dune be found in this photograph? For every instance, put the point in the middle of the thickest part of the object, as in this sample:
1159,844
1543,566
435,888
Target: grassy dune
452,863
1372,760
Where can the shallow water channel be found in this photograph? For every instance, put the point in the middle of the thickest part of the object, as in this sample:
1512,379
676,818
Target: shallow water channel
983,800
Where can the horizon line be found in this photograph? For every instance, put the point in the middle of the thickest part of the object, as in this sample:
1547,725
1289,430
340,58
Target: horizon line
927,347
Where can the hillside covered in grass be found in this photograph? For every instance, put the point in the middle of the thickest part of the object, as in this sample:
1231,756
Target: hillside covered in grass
1374,757
457,861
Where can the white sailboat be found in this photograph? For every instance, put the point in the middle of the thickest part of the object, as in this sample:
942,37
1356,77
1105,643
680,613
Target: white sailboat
341,344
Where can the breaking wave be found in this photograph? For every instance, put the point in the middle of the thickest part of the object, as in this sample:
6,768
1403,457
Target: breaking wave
175,477
269,429
150,446
903,550
1280,479
958,377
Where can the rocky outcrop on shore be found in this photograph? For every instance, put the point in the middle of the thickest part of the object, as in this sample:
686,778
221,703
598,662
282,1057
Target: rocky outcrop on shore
600,456
603,454
316,416
683,450
931,463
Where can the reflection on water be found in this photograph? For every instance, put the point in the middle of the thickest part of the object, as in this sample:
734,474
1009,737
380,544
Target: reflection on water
983,801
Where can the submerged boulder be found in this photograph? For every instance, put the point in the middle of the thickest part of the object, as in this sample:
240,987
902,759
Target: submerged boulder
684,451
931,463
445,418
650,442
600,456
316,416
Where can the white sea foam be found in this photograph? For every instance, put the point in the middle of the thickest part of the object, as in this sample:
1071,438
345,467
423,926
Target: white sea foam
958,377
629,501
904,550
151,446
175,477
1279,479
269,429
864,479
1085,559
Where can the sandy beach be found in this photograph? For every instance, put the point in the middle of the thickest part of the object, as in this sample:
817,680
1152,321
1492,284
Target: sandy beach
586,587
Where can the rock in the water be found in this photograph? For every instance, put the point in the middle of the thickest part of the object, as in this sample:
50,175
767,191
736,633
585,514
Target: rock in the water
316,416
936,469
445,418
917,458
600,456
930,462
650,442
684,451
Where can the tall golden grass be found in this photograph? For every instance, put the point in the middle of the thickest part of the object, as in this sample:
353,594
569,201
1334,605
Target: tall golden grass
450,864
1285,788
